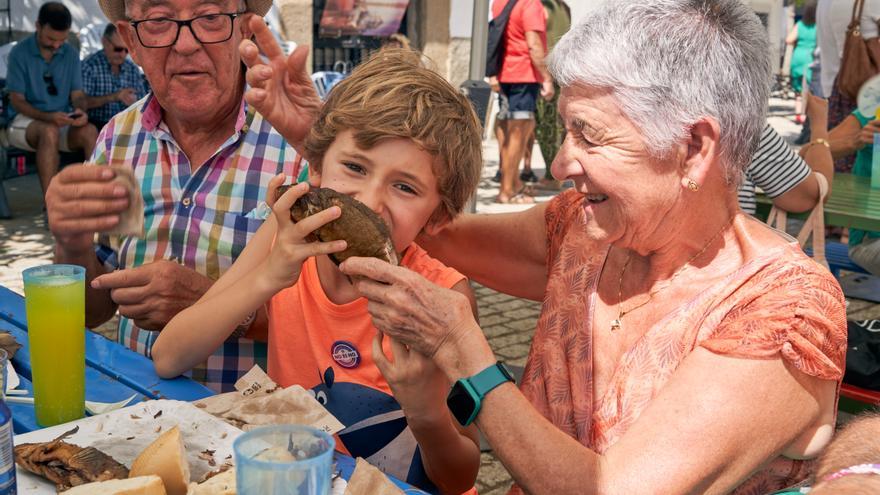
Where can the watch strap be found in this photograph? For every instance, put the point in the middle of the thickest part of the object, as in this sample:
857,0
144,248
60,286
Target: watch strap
483,382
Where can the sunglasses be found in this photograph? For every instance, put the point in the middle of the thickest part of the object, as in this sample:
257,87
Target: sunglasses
120,49
50,84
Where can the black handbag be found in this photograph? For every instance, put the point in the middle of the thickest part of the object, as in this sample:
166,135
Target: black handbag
495,44
863,354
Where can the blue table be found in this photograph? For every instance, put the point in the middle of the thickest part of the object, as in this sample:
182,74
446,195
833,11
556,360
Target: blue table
113,373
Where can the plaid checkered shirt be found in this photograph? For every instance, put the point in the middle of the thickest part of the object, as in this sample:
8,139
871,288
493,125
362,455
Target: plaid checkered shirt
99,80
201,219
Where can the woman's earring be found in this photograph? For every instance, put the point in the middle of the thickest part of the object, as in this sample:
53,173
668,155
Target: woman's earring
693,186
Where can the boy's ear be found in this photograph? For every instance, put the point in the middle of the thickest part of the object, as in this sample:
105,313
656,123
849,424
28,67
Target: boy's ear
434,226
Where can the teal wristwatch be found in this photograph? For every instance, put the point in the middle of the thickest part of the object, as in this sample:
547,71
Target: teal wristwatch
466,397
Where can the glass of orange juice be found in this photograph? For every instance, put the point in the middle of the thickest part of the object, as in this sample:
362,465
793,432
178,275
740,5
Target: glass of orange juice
56,312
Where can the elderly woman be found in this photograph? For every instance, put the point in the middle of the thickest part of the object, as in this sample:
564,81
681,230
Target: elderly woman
683,347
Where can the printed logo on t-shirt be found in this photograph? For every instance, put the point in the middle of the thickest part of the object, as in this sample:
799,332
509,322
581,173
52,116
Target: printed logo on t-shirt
345,354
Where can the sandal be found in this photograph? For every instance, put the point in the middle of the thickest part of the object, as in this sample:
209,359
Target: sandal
517,199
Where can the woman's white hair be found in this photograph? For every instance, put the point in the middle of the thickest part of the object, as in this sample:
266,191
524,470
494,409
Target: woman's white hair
670,63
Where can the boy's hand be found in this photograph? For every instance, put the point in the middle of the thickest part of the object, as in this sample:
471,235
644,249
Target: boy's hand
290,248
281,88
416,382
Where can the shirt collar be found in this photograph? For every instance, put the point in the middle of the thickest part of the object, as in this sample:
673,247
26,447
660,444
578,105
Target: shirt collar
34,48
151,116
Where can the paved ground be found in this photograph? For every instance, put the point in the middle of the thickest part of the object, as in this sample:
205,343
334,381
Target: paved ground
508,322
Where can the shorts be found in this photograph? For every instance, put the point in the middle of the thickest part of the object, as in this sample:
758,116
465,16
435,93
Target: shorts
518,101
17,134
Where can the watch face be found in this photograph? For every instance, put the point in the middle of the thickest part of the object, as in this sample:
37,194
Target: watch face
460,403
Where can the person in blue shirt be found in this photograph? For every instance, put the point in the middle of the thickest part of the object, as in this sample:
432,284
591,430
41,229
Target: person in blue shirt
111,81
47,110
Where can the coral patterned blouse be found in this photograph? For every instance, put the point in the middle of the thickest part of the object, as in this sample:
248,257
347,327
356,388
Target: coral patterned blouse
779,303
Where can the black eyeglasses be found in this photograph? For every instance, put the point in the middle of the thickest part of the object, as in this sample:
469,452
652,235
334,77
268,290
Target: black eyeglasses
50,84
119,49
206,29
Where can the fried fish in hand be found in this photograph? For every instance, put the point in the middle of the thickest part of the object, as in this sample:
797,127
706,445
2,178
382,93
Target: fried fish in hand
68,465
364,232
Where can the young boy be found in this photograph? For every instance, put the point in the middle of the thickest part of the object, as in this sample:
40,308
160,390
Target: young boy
400,139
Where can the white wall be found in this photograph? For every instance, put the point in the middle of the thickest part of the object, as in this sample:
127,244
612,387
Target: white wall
579,8
24,13
461,18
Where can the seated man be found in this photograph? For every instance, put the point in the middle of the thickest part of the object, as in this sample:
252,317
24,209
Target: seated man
47,104
111,81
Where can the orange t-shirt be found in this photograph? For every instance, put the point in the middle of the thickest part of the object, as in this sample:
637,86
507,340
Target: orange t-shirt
328,348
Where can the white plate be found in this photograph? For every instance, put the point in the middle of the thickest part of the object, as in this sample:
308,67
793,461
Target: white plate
124,433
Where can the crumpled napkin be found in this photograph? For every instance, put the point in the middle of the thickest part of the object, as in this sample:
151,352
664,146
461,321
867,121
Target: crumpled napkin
368,480
131,221
259,401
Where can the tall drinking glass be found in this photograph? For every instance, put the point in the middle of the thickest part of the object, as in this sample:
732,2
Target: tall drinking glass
56,317
283,460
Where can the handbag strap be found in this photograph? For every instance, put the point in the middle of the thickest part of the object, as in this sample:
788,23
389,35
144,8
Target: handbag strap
858,8
815,223
777,218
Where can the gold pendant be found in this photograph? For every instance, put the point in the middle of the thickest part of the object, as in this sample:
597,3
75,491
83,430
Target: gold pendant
615,324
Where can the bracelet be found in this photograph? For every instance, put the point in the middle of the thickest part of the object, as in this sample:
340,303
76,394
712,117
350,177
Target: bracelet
822,141
243,327
858,469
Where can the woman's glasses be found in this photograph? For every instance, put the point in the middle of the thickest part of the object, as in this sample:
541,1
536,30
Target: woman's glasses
50,84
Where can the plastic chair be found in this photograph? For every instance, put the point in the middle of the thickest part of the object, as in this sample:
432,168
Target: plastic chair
325,80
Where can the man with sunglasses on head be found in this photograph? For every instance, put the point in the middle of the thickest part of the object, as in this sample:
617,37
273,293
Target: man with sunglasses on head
111,81
46,102
202,158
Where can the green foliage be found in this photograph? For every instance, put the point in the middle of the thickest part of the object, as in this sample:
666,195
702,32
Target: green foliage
548,130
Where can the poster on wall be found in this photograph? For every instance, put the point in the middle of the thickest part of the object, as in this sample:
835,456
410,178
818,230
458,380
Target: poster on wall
379,18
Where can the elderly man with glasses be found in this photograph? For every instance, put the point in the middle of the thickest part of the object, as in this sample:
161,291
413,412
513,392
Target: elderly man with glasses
111,81
201,157
47,104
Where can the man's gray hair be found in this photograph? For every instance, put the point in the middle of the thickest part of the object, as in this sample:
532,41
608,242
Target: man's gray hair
670,63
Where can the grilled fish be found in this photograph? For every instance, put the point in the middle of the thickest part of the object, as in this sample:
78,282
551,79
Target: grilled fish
362,229
68,465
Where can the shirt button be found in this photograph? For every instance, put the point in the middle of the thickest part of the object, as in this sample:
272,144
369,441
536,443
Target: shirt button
186,202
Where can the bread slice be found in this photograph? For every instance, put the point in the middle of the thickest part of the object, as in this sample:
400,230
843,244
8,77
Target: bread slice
221,484
166,458
141,485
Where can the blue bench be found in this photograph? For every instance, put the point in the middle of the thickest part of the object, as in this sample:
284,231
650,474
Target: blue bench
837,255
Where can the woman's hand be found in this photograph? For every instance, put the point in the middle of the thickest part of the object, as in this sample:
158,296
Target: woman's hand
280,88
409,308
415,380
290,248
866,136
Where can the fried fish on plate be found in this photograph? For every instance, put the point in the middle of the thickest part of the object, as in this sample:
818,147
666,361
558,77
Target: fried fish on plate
68,465
360,227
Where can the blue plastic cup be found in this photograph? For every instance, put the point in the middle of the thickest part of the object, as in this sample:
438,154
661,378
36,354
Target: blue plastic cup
283,460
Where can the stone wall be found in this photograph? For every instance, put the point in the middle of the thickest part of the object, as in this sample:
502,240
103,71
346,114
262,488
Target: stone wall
296,21
458,63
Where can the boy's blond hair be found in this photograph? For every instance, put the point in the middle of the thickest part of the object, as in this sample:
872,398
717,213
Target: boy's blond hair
394,95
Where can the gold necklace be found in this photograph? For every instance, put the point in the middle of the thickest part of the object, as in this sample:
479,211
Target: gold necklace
617,323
